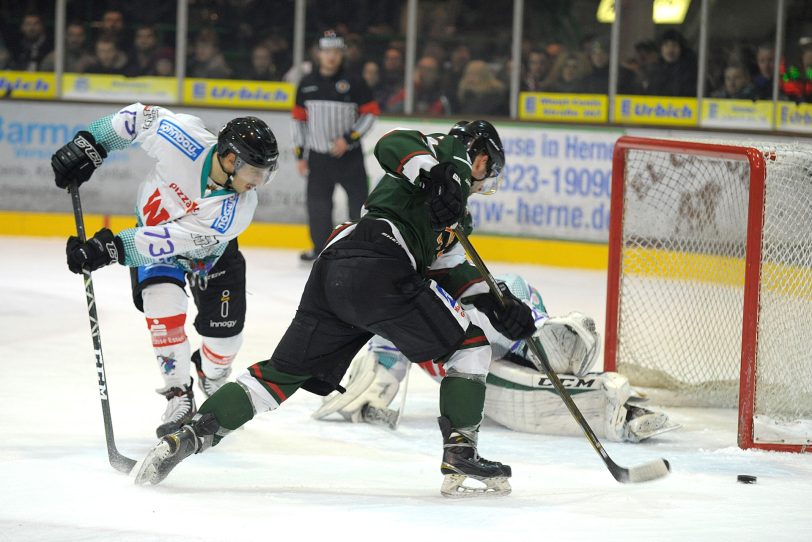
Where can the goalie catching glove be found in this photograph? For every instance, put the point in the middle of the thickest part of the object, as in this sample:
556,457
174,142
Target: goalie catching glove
513,318
445,196
571,343
102,249
76,161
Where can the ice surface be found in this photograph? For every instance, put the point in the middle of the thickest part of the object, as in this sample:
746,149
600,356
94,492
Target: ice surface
286,475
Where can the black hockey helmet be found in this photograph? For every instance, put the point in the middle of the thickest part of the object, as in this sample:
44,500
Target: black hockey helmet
251,140
480,136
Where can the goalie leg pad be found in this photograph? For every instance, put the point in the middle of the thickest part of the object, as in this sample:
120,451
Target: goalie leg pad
642,424
369,383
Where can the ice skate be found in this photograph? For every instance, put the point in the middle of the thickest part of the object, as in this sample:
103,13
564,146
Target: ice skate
179,410
461,464
207,384
175,447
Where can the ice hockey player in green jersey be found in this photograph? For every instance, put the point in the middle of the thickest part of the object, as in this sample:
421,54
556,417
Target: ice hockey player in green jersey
377,276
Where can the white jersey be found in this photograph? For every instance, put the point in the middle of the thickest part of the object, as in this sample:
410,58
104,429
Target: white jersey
183,217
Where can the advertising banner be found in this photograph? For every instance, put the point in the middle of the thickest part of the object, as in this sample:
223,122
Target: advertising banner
745,114
563,107
656,110
244,94
30,132
27,85
794,117
119,89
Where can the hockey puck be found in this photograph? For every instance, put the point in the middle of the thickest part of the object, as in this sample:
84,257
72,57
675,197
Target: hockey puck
746,479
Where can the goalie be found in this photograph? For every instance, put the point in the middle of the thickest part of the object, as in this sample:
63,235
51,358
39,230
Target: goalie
517,396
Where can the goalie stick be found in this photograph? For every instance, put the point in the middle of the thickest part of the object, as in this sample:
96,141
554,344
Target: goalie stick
117,460
641,473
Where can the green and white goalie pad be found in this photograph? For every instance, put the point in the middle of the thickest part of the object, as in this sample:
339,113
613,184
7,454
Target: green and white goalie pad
523,399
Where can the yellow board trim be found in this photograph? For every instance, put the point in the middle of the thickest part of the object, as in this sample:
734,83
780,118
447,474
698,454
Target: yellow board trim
295,236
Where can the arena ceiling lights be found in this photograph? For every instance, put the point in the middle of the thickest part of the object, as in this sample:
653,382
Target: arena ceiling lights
662,12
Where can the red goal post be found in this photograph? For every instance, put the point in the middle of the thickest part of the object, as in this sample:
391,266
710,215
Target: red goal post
703,259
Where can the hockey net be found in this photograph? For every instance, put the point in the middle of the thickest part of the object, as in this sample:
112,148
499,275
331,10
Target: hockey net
709,299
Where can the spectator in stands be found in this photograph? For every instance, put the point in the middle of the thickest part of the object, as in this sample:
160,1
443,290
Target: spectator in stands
262,67
538,67
281,55
452,72
392,75
763,81
675,72
480,92
109,59
207,60
353,54
567,73
306,67
144,51
165,62
112,26
34,44
642,65
738,85
77,56
372,75
429,99
6,59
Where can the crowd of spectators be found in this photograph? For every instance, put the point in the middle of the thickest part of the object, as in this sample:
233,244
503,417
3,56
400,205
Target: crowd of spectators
451,75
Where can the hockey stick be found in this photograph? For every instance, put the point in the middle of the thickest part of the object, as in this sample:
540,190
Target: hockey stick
118,461
642,473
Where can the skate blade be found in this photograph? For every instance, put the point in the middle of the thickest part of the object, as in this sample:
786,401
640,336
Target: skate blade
149,473
454,486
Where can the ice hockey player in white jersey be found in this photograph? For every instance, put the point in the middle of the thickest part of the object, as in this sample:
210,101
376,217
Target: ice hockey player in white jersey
191,207
517,395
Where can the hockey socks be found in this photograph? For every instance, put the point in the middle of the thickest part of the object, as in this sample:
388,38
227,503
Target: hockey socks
230,405
462,399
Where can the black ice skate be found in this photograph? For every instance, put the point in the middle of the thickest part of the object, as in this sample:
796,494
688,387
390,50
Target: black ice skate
461,462
179,410
175,447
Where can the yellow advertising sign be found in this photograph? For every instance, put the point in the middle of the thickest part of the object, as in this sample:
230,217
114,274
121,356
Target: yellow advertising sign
794,117
658,110
721,113
548,106
117,88
236,93
31,85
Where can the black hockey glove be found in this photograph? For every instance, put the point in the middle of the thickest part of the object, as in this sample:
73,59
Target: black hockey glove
102,249
445,196
515,320
77,160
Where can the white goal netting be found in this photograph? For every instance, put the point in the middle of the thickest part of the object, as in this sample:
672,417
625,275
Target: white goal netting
682,280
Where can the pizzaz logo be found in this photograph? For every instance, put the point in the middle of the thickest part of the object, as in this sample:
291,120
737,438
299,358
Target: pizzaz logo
191,206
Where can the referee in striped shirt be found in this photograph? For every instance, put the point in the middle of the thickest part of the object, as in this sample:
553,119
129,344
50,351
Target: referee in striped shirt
333,110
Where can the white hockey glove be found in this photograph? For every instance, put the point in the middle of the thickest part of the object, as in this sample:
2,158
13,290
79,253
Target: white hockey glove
570,342
370,383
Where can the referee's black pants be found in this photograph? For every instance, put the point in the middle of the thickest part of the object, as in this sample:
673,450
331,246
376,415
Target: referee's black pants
325,172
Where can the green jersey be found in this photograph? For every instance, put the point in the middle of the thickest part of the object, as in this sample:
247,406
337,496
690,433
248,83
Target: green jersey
407,156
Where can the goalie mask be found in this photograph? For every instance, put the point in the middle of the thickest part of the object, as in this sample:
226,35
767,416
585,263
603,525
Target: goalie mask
480,136
255,147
